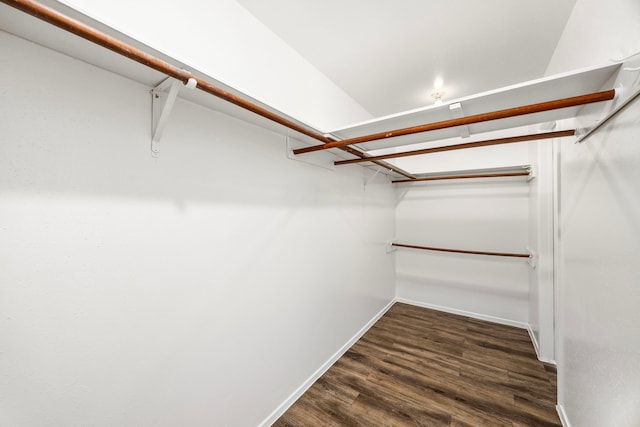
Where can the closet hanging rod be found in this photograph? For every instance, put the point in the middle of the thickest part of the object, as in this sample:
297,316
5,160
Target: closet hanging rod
461,251
574,101
93,35
471,176
488,142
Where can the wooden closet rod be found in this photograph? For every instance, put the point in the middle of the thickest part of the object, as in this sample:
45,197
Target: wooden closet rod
76,27
477,118
498,141
478,175
460,251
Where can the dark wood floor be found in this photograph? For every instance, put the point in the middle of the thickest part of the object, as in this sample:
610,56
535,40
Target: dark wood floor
420,367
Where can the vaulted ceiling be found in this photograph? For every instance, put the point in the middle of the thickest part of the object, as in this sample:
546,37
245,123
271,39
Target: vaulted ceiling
388,54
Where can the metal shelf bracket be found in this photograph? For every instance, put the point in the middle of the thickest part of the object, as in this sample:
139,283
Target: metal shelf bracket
163,97
368,181
456,112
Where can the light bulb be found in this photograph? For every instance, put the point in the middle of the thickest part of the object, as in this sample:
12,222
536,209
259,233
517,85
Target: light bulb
438,97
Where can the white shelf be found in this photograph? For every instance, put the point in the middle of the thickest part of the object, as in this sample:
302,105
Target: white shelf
549,88
546,89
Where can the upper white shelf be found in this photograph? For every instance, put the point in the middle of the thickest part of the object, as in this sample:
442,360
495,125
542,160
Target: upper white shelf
546,89
550,88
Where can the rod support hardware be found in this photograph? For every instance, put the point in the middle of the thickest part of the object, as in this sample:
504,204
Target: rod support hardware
389,247
368,181
533,259
532,173
455,110
191,83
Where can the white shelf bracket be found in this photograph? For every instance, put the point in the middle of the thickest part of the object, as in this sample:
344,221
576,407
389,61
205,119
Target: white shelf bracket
163,97
400,193
367,182
456,112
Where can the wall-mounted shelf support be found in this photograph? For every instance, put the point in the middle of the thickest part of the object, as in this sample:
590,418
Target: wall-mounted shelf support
456,112
368,181
163,97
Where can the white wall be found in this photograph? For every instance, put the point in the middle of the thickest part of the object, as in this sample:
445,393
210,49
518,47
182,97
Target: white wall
200,288
541,241
223,40
490,215
599,236
596,32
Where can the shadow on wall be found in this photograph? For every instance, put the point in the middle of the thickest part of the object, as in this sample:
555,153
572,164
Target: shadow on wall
502,188
205,157
467,287
612,171
73,128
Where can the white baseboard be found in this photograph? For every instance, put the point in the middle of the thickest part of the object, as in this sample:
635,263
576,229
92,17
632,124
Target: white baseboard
277,413
500,320
563,416
536,347
534,340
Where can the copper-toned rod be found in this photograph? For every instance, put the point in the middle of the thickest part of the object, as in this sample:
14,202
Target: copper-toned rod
385,165
477,118
498,141
460,251
86,32
478,175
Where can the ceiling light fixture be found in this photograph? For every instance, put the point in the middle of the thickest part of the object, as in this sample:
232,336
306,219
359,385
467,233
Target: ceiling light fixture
438,93
438,97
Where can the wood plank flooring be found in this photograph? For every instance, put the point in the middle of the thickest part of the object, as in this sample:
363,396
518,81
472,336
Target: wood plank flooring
421,367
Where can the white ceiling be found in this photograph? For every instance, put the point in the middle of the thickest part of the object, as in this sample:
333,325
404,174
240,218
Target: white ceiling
387,54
